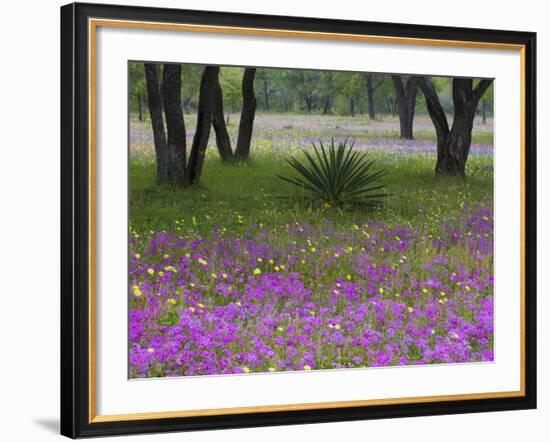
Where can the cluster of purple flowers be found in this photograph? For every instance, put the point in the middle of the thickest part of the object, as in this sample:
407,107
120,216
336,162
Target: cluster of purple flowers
317,297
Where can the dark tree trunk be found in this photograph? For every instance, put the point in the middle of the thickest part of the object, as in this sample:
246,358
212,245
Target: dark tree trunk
352,106
309,103
155,110
326,107
204,122
175,128
223,142
453,146
140,109
285,100
406,103
370,96
266,95
248,112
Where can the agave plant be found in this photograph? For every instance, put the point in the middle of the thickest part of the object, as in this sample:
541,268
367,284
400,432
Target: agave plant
338,174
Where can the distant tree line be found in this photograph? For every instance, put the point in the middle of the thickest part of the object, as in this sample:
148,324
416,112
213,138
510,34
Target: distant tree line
170,91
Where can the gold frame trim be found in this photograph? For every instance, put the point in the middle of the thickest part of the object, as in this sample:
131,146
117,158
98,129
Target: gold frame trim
93,24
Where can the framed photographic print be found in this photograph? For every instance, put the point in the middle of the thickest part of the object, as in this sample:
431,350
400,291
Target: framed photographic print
275,220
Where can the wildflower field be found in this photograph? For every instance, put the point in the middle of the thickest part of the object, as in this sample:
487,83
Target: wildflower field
243,274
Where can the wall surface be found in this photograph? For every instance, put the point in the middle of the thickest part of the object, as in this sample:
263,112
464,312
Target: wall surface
29,232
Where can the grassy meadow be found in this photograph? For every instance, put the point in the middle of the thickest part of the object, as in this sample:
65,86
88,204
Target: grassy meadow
238,195
245,273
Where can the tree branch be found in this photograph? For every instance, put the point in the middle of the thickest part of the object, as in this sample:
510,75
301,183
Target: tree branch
435,110
480,89
374,87
398,84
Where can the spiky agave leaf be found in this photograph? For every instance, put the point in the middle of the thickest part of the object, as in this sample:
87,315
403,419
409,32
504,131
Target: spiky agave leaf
338,174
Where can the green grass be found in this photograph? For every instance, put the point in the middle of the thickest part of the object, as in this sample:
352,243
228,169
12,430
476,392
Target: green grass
236,196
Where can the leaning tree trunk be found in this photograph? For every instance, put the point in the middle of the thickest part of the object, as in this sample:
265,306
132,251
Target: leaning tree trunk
204,121
248,112
370,96
406,103
155,110
175,128
223,142
453,146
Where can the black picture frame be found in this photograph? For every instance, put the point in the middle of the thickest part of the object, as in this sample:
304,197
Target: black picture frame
75,220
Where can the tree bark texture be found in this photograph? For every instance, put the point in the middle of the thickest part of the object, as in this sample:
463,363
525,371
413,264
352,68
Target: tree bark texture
248,113
223,142
155,111
453,145
405,92
175,128
205,110
370,96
